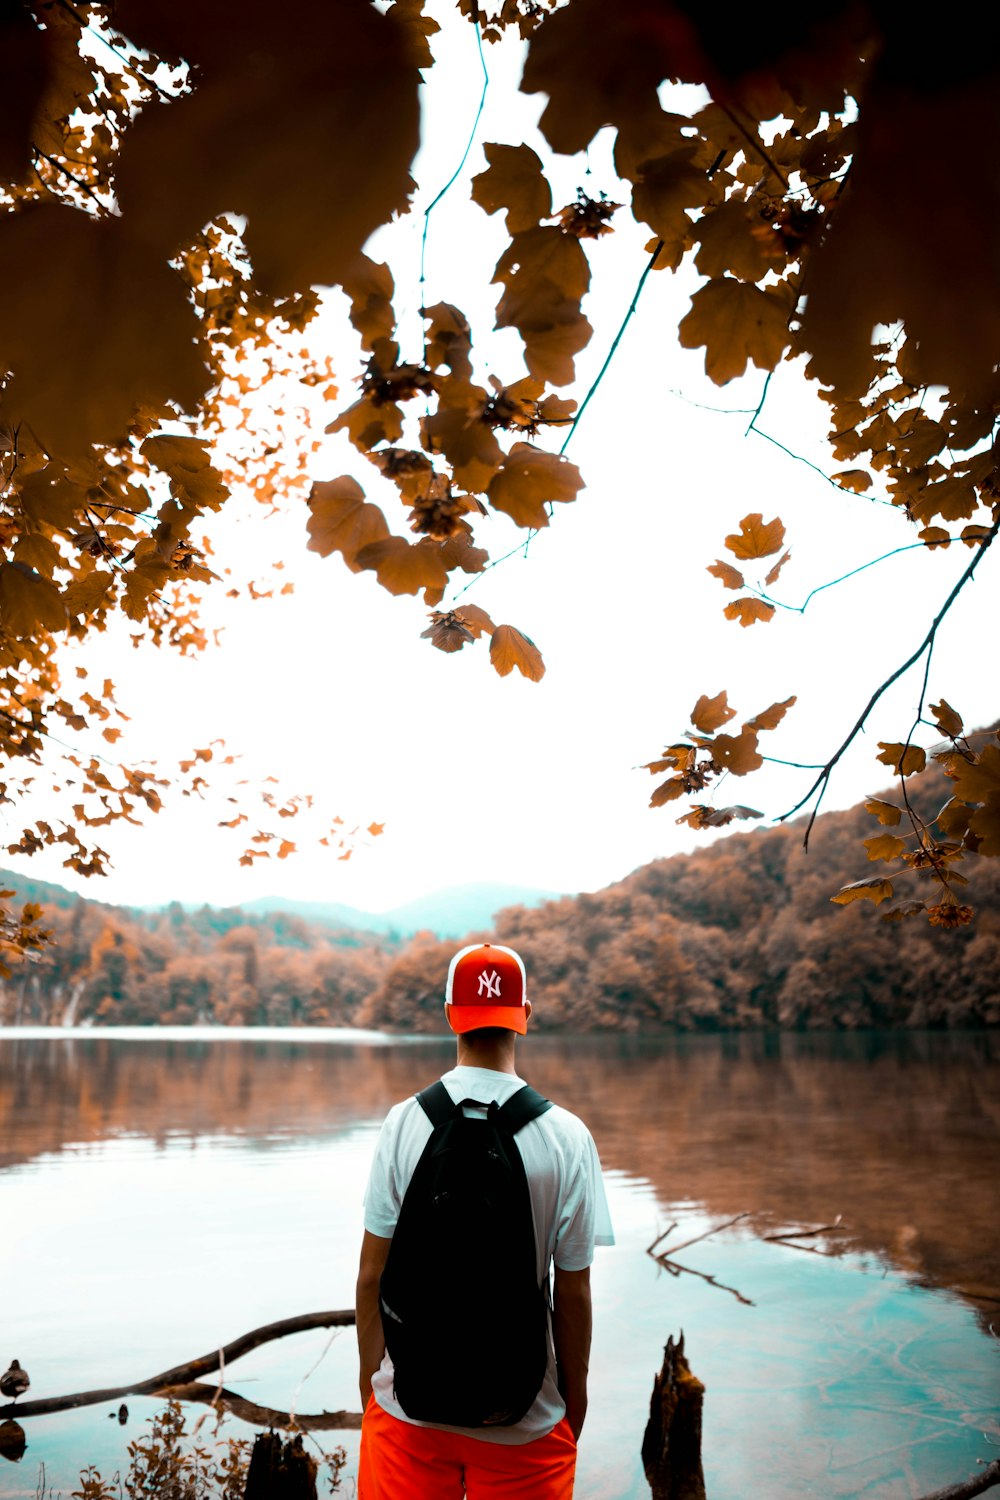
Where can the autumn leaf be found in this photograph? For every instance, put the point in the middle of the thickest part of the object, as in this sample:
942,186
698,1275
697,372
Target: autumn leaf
984,824
736,323
342,521
729,577
402,567
975,781
773,574
731,241
28,602
475,620
709,714
905,760
771,717
855,480
514,181
755,538
737,753
887,813
285,848
748,611
902,910
700,816
668,791
529,480
509,648
884,846
877,889
947,720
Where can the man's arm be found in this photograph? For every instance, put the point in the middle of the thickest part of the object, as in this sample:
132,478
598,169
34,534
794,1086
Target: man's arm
572,1322
371,1344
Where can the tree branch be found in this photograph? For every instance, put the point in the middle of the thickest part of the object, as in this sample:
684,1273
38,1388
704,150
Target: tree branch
823,779
260,1416
969,1487
185,1373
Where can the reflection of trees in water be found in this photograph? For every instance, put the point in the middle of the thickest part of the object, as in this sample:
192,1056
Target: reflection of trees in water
899,1133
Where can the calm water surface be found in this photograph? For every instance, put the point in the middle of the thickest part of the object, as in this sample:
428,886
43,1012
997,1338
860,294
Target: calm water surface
162,1194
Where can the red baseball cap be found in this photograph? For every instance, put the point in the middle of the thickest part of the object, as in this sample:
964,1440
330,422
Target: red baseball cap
486,987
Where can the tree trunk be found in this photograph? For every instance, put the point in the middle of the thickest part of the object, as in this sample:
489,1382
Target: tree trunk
280,1471
671,1444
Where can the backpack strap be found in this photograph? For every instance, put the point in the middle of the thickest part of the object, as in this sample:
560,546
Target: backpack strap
437,1105
527,1104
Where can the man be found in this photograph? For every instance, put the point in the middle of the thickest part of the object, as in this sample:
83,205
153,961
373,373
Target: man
533,1458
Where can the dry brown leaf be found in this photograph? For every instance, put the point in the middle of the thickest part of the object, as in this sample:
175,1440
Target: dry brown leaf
709,714
748,611
509,648
342,521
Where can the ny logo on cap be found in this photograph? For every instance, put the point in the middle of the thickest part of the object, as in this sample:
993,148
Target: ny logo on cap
489,985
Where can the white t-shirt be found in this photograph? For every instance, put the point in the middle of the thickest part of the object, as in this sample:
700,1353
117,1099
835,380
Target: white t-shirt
568,1205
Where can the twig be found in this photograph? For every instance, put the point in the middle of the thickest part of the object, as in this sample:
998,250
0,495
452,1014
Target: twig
614,345
185,1373
802,1234
686,1244
823,779
672,1266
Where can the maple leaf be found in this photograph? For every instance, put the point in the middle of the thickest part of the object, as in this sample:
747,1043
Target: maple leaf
855,480
984,825
736,323
748,611
729,242
514,181
375,829
755,538
28,602
709,714
905,760
402,567
884,846
887,813
737,753
369,286
771,717
342,521
947,720
772,576
730,577
976,780
668,791
876,889
902,910
700,816
530,479
475,620
509,648
285,848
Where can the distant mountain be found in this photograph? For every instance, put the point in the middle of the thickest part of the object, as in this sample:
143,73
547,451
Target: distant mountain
449,913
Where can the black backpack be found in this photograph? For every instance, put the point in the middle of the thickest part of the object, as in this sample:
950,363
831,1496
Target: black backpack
465,1321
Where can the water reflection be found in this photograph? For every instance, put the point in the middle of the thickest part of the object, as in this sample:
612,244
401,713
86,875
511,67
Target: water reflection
898,1133
172,1192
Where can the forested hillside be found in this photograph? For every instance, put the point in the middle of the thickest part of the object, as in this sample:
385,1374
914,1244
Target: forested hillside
742,934
739,935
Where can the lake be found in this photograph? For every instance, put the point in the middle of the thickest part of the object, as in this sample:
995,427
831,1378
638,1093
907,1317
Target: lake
163,1192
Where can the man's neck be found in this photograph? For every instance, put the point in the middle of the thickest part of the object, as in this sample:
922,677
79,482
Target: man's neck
496,1057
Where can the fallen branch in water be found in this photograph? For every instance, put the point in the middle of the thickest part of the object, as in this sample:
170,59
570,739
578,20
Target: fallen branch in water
977,1485
260,1416
192,1370
665,1258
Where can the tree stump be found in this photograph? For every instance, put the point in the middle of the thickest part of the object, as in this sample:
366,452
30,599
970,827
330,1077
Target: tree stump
280,1471
671,1444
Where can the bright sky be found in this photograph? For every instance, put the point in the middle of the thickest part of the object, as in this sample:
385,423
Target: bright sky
481,778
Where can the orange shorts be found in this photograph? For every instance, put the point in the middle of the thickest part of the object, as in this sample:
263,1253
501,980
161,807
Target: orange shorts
402,1462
